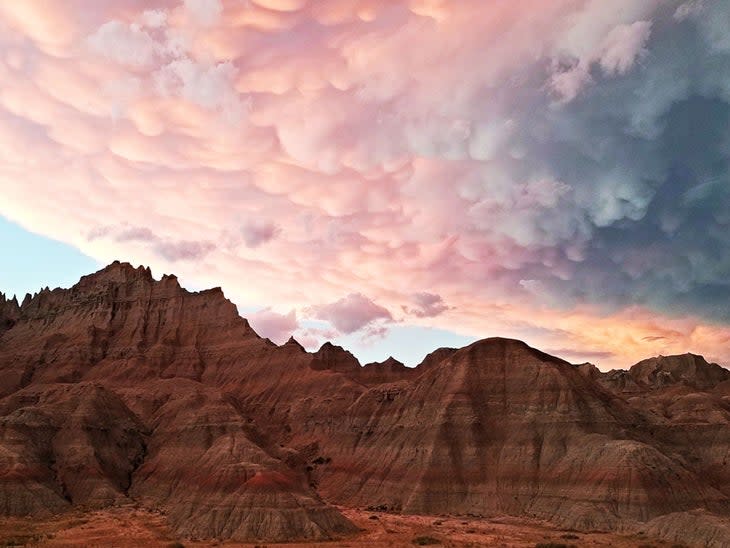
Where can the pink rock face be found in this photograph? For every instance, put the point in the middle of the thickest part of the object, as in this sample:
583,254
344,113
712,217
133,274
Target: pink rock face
123,387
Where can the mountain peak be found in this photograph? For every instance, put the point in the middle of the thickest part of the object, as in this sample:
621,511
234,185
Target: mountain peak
4,300
434,358
294,343
500,346
689,368
9,311
117,272
390,362
336,358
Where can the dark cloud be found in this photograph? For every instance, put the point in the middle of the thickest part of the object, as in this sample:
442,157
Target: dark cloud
653,338
647,158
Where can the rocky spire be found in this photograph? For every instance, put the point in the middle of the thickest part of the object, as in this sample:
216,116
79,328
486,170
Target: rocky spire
9,311
294,343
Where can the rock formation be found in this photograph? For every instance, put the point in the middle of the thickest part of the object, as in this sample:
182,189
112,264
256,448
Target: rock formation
9,312
124,387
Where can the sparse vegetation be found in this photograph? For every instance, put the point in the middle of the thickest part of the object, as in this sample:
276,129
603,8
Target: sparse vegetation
425,540
22,540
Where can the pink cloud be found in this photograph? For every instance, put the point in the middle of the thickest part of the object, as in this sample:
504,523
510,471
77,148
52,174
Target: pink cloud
204,12
183,250
291,127
312,338
275,326
126,44
352,313
426,305
256,233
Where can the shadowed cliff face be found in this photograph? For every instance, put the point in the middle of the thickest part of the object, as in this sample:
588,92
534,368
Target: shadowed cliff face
123,387
9,312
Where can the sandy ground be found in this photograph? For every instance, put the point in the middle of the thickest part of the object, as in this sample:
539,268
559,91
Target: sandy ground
130,527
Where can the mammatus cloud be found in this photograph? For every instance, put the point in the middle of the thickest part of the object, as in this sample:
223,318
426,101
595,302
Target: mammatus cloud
549,170
204,12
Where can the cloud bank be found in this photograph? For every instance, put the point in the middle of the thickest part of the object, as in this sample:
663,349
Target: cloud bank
556,171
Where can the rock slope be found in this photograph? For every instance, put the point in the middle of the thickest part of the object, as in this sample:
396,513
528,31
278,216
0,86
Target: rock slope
124,388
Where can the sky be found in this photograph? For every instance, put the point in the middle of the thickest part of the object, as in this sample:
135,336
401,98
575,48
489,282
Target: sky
392,175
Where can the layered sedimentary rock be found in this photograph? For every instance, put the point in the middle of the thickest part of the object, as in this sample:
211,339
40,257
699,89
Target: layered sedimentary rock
215,473
390,370
120,341
124,388
66,444
502,428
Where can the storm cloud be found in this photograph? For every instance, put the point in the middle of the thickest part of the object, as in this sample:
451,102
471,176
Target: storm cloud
554,170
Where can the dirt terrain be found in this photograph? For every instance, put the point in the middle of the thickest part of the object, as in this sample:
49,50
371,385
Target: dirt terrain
131,527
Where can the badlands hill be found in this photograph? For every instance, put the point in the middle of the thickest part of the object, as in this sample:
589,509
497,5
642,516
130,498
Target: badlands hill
126,388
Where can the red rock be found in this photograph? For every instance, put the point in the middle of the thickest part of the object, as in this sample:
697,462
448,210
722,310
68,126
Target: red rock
66,444
9,312
126,387
390,370
335,358
686,368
